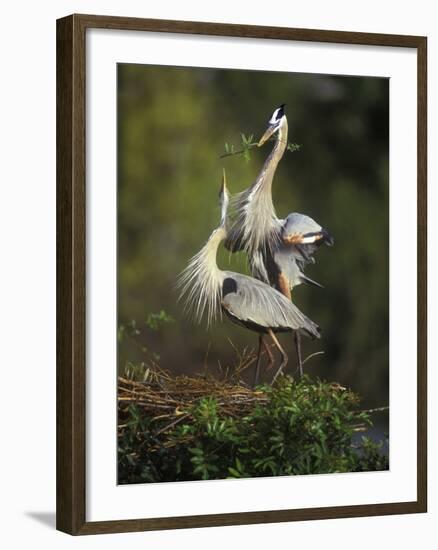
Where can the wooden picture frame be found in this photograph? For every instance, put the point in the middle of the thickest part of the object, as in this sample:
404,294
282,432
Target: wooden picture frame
71,273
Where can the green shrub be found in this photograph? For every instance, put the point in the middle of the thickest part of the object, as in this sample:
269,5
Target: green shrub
303,427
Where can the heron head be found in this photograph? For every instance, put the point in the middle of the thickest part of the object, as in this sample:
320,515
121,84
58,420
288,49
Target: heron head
224,198
274,124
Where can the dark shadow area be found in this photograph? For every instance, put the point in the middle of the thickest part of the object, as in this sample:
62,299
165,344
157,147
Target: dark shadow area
45,518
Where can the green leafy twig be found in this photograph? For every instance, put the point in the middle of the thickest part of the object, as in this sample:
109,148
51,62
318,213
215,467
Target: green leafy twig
248,143
292,147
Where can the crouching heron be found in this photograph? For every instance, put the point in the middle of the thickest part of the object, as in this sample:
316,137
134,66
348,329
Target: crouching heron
245,300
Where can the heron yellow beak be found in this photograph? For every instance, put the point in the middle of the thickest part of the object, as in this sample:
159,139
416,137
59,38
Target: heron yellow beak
270,130
224,182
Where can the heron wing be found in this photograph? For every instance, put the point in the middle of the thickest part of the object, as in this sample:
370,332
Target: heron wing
304,235
256,302
300,223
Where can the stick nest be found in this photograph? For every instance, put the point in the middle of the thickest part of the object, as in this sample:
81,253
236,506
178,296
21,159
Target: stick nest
167,399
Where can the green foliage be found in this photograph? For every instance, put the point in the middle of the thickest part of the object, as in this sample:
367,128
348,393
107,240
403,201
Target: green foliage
248,143
305,427
292,147
157,320
371,456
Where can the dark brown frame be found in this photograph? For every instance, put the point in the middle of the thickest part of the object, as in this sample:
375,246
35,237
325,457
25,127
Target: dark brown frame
71,266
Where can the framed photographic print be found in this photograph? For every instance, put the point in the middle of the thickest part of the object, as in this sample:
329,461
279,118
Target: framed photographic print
241,288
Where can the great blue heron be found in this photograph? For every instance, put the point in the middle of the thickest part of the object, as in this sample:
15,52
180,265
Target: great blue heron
277,249
244,300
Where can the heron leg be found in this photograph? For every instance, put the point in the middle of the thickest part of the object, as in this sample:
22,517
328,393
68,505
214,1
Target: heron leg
284,357
298,348
269,354
259,358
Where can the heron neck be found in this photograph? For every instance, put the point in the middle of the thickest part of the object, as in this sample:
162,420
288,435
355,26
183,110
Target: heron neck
261,220
212,247
269,167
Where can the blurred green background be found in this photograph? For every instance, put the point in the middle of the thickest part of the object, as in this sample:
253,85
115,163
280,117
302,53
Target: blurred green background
172,126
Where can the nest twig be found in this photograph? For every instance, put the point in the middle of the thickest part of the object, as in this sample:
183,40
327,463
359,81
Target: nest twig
167,399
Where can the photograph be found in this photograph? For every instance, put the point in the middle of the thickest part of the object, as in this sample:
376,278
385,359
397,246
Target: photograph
252,274
217,223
